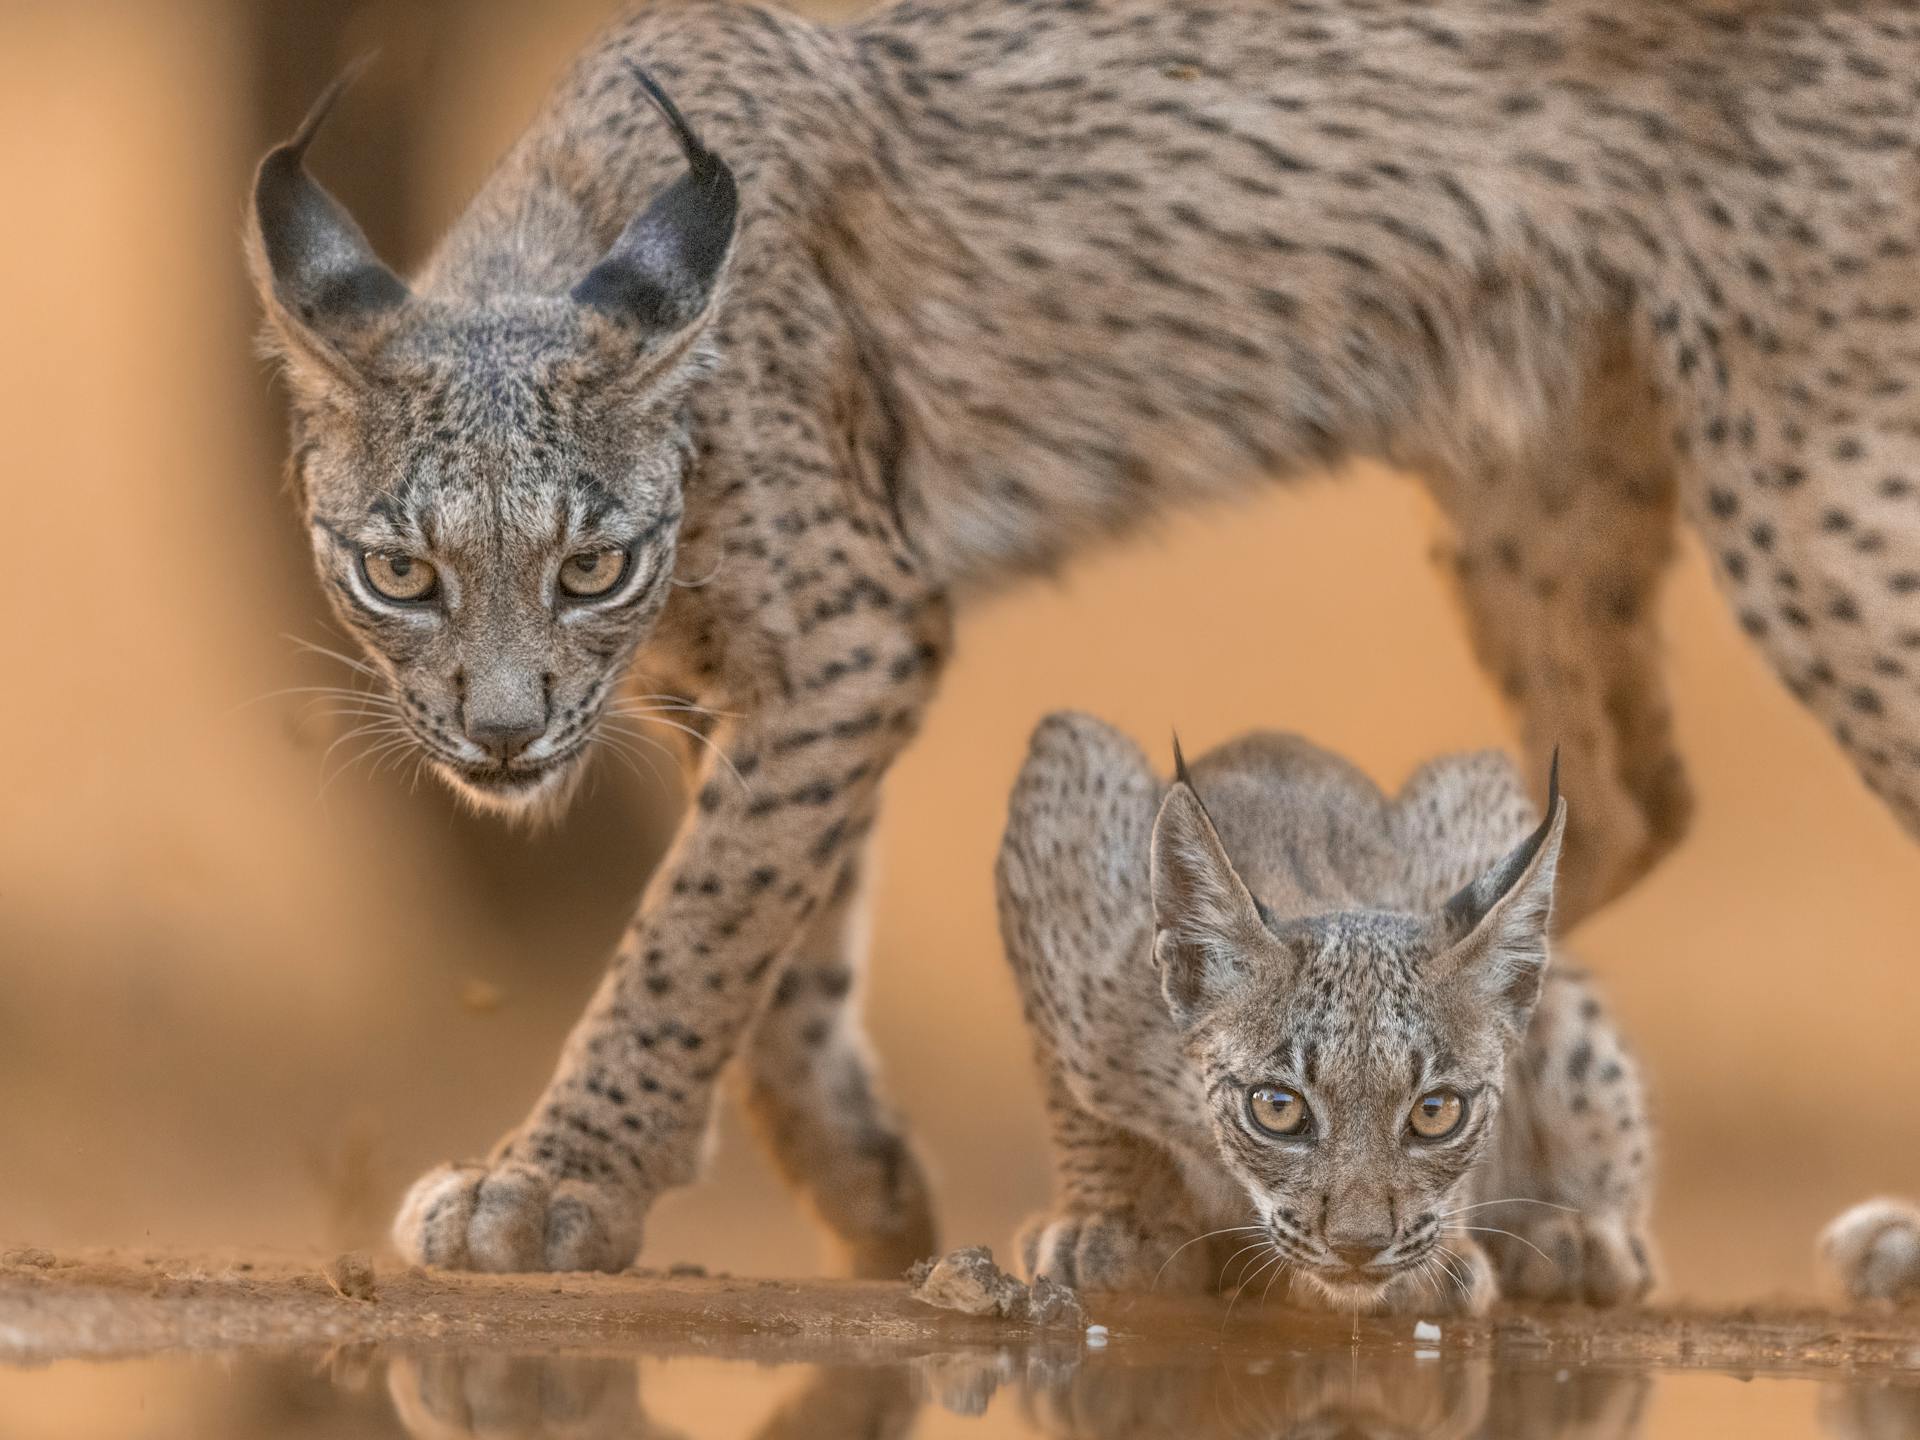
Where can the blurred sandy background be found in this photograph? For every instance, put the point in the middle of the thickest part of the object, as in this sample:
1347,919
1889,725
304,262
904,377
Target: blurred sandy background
238,989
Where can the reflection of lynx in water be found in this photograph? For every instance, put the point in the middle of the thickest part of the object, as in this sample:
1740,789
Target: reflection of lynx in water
1322,1011
1333,1394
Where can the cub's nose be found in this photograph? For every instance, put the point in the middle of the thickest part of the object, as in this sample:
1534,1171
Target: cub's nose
505,736
1358,1250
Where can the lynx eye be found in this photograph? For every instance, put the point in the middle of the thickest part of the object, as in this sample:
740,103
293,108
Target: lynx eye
398,576
593,572
1437,1114
1279,1111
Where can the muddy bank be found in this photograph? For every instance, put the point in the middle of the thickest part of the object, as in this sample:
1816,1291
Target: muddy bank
116,1303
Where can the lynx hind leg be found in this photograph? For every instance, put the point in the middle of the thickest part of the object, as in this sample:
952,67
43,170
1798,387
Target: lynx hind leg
1557,554
1573,1172
1872,1252
813,1090
1816,545
1121,1217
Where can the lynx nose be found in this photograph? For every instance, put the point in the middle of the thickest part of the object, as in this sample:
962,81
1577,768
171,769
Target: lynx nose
505,738
505,710
1356,1248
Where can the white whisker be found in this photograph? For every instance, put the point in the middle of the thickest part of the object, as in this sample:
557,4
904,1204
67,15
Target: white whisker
1495,1230
1227,1230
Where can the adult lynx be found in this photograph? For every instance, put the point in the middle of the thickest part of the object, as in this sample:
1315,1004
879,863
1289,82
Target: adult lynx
924,303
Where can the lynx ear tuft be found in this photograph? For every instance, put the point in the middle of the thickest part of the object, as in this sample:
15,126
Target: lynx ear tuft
1497,927
312,262
662,272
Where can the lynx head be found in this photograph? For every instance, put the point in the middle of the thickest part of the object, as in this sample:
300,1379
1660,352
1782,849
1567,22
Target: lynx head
493,486
1354,1061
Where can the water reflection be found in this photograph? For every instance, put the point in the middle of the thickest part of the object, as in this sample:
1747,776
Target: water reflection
1872,1409
1110,1395
797,1387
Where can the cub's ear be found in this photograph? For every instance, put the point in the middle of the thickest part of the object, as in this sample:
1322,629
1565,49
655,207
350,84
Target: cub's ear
1496,929
1205,923
324,287
662,272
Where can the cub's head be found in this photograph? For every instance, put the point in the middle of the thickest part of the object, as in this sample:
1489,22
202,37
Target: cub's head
493,483
1353,1062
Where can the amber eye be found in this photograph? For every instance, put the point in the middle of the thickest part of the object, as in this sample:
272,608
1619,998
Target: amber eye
592,573
1279,1111
398,576
1437,1114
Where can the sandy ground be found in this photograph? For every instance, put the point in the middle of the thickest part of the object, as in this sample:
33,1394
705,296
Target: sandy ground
124,1303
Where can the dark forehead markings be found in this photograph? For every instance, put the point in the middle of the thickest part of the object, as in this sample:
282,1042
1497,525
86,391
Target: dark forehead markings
597,502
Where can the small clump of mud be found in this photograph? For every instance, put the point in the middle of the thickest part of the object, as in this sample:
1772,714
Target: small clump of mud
351,1276
968,1281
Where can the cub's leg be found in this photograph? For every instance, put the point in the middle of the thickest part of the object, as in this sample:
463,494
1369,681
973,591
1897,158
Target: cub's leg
813,1090
1557,549
1121,1218
1872,1252
1074,907
1561,1204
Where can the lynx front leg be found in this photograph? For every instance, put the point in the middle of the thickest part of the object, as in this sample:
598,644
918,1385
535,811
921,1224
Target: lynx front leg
1563,1200
812,1088
1558,561
1121,1217
774,827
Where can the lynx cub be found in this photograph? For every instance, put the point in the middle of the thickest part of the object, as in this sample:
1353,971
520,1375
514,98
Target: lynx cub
1271,1003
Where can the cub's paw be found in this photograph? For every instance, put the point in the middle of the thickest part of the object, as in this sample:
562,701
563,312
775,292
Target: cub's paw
1872,1252
511,1216
1460,1281
1598,1260
1111,1252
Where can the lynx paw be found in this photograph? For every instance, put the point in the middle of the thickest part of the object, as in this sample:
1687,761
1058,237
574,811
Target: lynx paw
1601,1261
1873,1251
1110,1252
510,1217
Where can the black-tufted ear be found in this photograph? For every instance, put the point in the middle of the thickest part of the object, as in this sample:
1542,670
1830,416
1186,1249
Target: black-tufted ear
661,273
1496,928
311,261
1206,924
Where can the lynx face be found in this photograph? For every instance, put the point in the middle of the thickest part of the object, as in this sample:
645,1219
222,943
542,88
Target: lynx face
1353,1061
494,492
497,534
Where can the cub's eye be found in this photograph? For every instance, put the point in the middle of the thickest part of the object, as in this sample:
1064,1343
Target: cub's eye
1279,1111
398,576
1437,1114
593,572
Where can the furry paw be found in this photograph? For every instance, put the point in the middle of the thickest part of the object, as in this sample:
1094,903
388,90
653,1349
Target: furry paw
1598,1260
510,1216
1110,1252
1873,1251
1460,1282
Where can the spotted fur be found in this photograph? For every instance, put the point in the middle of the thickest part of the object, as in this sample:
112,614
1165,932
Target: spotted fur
1273,919
918,305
